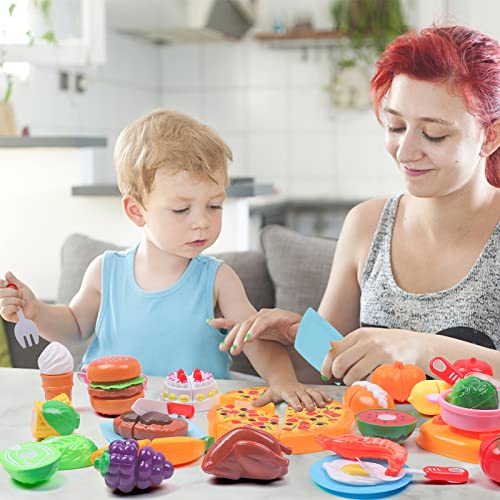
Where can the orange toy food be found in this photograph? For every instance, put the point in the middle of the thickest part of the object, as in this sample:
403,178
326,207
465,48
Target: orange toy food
222,419
115,383
398,379
365,396
244,397
299,429
352,446
179,450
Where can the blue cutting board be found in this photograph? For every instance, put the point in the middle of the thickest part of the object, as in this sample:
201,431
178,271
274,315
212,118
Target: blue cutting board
313,338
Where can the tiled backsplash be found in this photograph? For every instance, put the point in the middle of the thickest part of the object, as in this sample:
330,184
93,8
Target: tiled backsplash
271,107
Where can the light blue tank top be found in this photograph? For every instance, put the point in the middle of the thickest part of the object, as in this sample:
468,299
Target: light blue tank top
164,330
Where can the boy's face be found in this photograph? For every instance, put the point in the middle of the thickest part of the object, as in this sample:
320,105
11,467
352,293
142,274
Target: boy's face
183,213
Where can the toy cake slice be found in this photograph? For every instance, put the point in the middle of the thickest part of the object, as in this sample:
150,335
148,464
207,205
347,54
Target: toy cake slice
300,428
244,397
222,419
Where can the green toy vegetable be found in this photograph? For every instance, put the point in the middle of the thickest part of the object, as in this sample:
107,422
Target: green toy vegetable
473,392
75,450
30,463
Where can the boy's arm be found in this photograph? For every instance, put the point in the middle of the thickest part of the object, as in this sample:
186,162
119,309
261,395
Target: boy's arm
270,359
73,323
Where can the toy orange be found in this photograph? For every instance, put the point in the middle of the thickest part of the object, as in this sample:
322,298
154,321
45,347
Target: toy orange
365,395
398,379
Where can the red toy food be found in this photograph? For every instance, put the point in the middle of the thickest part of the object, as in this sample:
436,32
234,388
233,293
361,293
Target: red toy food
151,425
489,457
468,365
115,383
352,446
247,453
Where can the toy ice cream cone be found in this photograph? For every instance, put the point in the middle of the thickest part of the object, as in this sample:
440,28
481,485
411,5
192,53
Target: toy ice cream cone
56,370
57,384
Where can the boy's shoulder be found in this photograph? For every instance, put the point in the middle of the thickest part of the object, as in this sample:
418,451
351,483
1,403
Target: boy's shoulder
208,259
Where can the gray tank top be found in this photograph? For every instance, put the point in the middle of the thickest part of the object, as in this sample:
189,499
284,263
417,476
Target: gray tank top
468,311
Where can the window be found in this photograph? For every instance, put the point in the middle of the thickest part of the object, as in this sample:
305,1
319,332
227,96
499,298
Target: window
79,28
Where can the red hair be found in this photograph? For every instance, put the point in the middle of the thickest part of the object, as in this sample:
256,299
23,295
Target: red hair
465,59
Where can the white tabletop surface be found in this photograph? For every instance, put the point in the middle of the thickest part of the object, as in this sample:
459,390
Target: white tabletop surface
20,388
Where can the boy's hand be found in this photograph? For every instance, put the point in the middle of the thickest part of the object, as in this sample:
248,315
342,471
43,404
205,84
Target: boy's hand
298,395
11,300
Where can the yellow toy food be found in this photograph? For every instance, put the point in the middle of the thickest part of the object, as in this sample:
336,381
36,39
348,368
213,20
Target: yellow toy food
55,417
419,392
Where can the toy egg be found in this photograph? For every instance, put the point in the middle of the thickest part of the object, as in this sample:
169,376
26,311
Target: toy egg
419,393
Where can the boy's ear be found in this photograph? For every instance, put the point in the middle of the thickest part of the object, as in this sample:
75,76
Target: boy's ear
492,142
133,209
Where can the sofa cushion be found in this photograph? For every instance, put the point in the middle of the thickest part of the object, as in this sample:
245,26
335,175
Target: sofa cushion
299,267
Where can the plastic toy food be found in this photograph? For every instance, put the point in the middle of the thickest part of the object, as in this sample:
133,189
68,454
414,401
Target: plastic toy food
115,383
364,395
489,457
179,450
75,450
55,417
352,446
30,463
245,453
198,389
125,467
398,379
419,393
149,426
299,429
465,366
56,370
244,397
390,424
472,392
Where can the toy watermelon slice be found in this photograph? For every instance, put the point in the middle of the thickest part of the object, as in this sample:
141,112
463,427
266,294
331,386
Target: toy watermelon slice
386,423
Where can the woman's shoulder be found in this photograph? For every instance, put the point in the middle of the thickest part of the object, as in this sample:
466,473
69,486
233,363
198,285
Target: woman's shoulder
363,218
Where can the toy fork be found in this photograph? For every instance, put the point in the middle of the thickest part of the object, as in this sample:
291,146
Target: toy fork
25,331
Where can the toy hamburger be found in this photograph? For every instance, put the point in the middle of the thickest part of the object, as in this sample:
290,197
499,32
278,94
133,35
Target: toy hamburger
115,382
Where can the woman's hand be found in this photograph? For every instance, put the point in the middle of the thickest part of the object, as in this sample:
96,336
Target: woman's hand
364,349
268,324
298,395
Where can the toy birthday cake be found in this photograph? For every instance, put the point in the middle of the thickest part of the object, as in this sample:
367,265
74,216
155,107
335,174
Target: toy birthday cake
198,389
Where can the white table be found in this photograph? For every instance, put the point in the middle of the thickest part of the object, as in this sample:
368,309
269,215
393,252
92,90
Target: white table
20,388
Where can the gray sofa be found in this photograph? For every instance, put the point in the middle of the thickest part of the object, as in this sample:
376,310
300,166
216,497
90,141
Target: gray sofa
291,272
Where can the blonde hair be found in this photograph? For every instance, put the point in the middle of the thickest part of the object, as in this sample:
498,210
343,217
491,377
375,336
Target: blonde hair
167,139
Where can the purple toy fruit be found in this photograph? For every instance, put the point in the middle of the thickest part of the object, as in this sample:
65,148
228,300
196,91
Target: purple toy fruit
124,467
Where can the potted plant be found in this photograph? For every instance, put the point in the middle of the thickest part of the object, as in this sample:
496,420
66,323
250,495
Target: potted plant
43,9
367,26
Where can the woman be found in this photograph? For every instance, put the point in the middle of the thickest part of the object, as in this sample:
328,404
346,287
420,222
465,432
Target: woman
426,262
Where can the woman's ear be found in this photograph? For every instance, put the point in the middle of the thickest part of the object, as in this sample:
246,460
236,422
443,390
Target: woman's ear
134,210
492,141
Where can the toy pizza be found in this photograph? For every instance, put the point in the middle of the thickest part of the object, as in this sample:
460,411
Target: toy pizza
298,429
244,397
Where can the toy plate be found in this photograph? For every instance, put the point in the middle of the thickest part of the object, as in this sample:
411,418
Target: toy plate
323,480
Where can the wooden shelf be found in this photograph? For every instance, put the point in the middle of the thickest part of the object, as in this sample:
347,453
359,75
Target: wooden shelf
300,35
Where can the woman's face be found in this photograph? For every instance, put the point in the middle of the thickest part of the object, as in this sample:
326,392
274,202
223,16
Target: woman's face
434,140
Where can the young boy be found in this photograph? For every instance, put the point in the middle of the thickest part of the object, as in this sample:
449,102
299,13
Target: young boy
152,301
